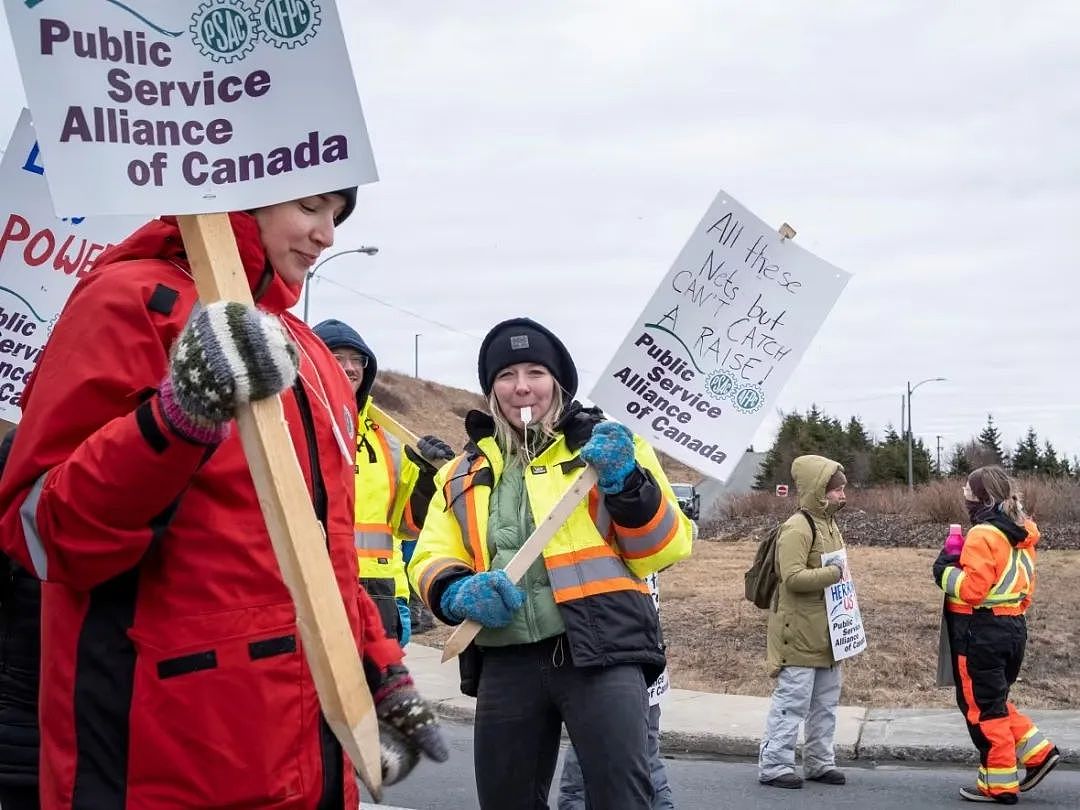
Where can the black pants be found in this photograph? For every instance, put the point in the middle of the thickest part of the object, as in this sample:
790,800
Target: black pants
987,652
527,692
19,798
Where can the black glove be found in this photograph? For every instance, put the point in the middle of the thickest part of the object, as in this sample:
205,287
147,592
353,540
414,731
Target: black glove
942,562
433,448
399,706
577,423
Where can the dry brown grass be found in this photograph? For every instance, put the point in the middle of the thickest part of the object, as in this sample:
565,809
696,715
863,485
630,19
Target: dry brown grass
716,639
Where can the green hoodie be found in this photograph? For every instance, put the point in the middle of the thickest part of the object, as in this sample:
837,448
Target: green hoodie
798,632
509,526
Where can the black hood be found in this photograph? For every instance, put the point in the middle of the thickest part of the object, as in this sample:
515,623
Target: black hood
993,516
339,335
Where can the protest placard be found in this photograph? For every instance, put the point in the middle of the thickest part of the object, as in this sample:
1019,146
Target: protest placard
190,106
41,259
662,685
193,107
846,630
719,338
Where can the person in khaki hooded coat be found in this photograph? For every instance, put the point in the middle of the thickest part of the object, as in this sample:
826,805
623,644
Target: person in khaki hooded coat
799,649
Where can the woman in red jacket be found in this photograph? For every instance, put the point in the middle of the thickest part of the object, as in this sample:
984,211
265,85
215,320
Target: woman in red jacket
173,671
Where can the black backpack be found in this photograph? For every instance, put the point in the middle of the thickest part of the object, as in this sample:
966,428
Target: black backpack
761,580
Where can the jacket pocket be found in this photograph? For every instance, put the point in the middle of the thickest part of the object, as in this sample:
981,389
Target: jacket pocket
807,628
217,711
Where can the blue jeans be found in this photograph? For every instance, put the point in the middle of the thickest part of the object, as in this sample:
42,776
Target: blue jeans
572,786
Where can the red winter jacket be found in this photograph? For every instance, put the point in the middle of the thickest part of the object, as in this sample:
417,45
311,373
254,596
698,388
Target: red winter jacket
173,675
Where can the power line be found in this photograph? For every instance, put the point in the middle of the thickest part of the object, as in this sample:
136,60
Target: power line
408,312
417,315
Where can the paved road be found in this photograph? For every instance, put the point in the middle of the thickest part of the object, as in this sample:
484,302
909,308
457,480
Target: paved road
720,785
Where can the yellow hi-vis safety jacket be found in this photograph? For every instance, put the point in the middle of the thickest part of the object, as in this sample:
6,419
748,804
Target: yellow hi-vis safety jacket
385,515
596,561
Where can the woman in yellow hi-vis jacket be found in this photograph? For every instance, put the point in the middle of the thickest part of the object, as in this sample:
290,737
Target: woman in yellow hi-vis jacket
577,642
988,589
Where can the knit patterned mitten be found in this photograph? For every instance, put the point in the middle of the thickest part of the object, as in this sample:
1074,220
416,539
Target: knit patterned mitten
399,705
398,755
610,450
229,354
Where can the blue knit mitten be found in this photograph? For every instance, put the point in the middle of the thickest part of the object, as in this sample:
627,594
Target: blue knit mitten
610,450
229,354
489,598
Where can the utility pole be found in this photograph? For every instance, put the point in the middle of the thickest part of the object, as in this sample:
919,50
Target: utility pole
367,250
910,466
416,354
939,455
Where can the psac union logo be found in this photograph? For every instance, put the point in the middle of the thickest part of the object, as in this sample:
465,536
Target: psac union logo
228,30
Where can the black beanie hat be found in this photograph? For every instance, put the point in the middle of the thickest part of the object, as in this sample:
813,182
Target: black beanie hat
350,203
523,340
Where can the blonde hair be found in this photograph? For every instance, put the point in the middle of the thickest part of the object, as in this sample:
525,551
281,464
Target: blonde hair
511,440
993,487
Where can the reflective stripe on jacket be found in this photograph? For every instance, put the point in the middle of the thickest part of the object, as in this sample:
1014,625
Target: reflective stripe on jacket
595,565
992,573
385,479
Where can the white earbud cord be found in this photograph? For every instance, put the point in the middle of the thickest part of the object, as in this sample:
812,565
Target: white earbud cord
320,395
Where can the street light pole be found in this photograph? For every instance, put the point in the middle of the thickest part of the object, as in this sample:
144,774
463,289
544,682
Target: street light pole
369,251
910,463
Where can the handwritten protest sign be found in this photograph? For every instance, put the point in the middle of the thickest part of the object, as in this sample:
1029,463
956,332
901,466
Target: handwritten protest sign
842,606
41,259
719,338
190,106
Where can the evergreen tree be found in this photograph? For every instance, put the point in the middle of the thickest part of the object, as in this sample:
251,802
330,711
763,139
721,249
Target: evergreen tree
1050,464
959,465
990,439
1026,458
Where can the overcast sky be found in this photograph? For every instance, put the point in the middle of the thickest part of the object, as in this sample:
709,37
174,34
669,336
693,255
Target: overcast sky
551,159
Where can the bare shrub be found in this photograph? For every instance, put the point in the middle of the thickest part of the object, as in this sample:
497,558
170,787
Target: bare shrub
759,503
940,502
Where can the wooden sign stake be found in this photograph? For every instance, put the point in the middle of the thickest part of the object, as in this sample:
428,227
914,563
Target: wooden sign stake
526,555
295,533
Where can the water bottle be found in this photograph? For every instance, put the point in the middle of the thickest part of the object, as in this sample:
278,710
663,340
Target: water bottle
955,541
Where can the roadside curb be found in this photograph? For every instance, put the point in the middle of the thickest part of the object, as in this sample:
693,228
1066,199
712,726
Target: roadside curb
877,741
709,724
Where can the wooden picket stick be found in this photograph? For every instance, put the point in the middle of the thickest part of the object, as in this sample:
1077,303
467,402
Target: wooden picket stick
295,534
400,432
526,555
